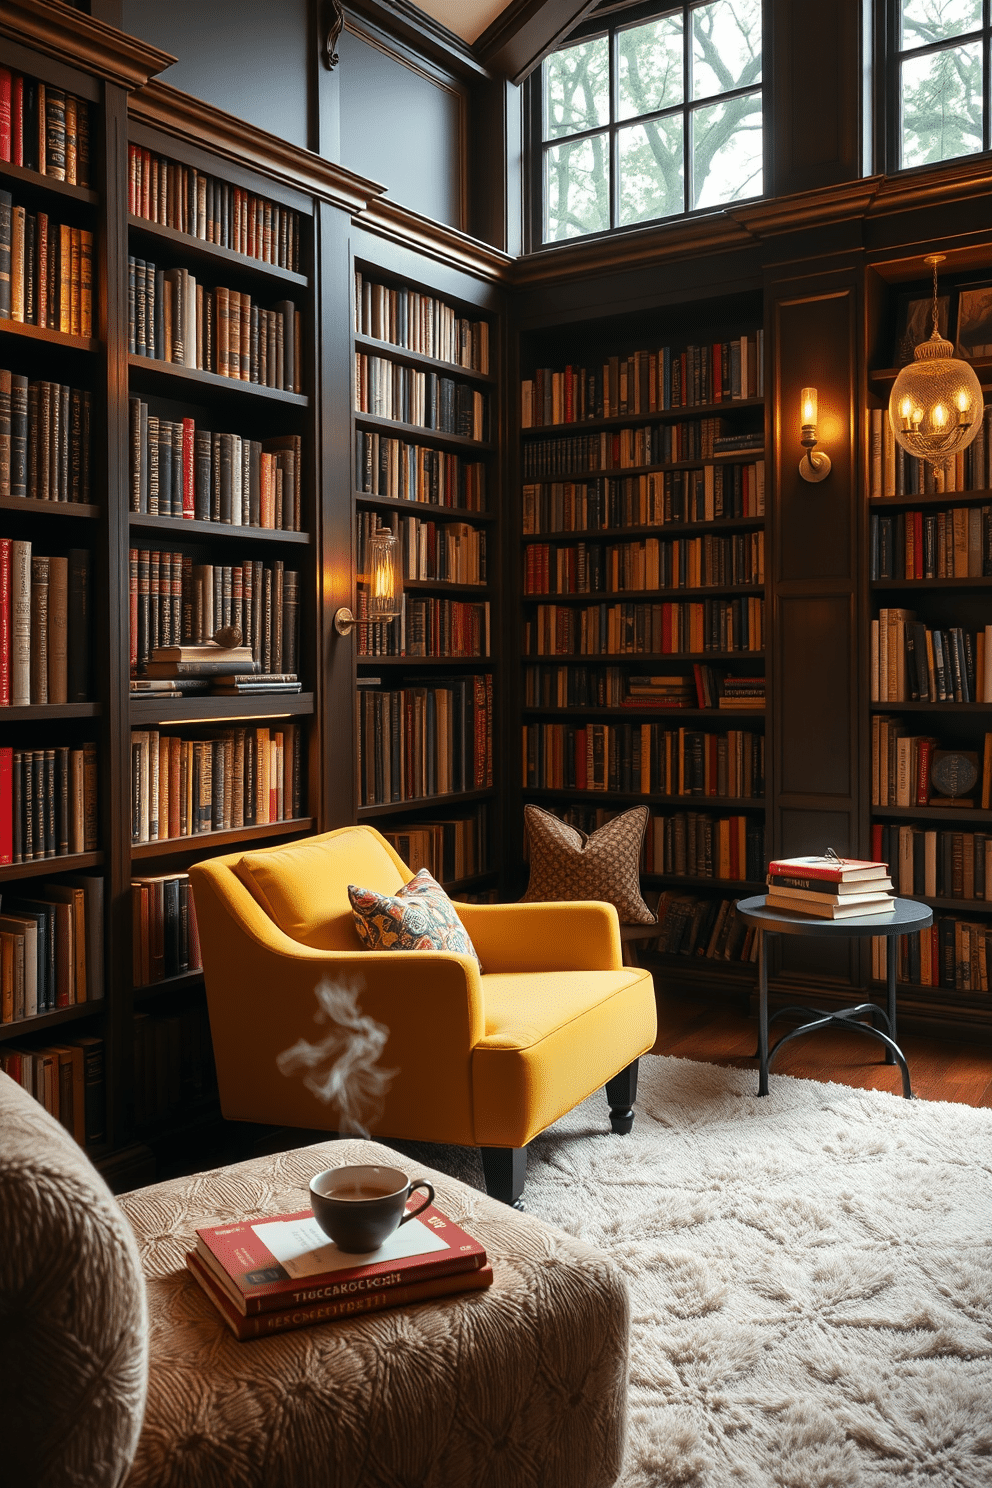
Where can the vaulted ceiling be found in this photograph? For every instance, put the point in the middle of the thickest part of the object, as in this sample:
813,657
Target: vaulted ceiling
467,18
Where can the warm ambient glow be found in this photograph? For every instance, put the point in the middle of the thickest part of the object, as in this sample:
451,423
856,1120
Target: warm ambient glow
809,408
926,391
814,466
380,570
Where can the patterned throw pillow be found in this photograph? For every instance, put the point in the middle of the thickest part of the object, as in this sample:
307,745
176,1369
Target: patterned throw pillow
418,917
568,864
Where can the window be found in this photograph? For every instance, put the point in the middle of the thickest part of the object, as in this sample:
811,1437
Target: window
653,112
940,81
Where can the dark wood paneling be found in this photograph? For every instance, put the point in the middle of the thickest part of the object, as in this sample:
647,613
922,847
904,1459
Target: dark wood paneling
814,93
815,636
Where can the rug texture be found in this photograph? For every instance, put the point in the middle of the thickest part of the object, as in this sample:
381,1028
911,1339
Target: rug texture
810,1277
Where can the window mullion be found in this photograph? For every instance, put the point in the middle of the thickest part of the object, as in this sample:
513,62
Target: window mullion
687,202
614,141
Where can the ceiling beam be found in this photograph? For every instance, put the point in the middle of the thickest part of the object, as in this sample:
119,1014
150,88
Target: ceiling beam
525,32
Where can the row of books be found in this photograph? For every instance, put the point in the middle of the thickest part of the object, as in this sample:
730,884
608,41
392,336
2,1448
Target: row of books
68,1079
696,844
45,607
420,322
270,1275
44,440
451,849
703,925
912,662
711,493
951,544
647,563
178,470
46,270
48,802
387,390
828,887
173,1063
670,628
176,602
51,946
240,777
628,449
613,687
934,862
953,954
646,382
894,472
173,318
165,940
643,757
449,552
426,627
385,466
425,740
44,129
902,766
193,202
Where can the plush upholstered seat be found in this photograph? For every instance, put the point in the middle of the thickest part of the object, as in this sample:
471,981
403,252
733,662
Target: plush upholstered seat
484,1059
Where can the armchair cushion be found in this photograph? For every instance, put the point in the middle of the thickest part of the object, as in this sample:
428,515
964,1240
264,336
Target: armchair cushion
418,917
568,864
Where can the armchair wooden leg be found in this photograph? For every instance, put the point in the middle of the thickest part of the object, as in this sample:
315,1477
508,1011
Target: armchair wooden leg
505,1170
621,1093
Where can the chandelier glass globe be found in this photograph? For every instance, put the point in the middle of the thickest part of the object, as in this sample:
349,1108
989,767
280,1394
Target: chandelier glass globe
936,401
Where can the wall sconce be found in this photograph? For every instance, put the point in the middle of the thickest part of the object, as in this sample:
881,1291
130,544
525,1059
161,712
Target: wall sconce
936,401
382,578
813,466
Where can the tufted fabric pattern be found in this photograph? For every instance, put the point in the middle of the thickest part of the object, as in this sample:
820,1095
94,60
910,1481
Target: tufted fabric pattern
519,1386
73,1347
606,864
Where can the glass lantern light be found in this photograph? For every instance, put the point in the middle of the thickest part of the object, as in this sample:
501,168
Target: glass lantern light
936,401
380,571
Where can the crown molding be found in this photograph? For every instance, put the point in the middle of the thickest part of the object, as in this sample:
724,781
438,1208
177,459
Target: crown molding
165,107
404,21
525,32
445,244
67,34
691,237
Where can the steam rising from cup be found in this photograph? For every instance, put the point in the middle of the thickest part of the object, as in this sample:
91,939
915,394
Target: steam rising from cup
342,1069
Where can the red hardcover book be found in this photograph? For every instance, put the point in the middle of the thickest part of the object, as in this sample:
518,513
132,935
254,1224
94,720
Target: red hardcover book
17,120
717,386
298,1266
262,1324
840,870
6,805
876,839
6,90
924,757
5,543
189,469
569,396
918,545
133,608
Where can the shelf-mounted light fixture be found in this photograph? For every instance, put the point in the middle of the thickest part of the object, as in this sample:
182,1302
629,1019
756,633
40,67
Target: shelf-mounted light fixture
815,464
936,401
382,577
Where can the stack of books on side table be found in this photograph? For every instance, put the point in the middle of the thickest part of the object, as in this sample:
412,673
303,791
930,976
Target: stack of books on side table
269,1275
829,887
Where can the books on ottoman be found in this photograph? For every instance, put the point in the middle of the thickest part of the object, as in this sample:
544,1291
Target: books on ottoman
287,1262
829,887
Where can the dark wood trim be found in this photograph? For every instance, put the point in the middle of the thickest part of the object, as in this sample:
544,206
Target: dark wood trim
120,59
425,509
168,847
169,376
423,33
31,507
185,527
149,712
20,175
39,867
49,712
214,256
42,1022
525,32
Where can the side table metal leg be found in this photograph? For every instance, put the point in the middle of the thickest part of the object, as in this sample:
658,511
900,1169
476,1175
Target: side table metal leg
890,963
762,1012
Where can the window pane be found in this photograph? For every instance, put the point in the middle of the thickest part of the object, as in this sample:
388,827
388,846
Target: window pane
651,170
649,67
726,46
577,188
726,151
577,88
942,105
926,21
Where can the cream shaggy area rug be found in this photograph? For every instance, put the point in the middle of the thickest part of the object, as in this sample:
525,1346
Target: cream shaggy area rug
810,1277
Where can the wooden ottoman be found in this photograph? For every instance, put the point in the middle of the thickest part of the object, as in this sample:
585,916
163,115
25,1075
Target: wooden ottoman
524,1384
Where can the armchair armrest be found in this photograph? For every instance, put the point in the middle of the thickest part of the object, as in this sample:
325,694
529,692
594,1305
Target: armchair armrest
579,935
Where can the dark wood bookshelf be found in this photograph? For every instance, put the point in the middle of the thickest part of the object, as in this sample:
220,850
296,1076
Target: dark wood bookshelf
46,867
168,712
728,886
192,527
48,712
198,841
415,434
30,506
657,715
424,803
213,254
448,586
371,347
972,582
618,472
943,498
967,816
48,337
885,376
186,981
934,707
652,798
638,657
41,1022
426,510
633,596
659,416
21,176
167,378
473,663
661,530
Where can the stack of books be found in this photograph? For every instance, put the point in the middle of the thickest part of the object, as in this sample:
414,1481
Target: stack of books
269,1275
830,888
225,671
742,692
660,692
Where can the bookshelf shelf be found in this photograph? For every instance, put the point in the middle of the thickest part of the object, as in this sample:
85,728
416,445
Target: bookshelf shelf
47,337
935,584
418,359
663,529
963,815
472,663
639,657
884,377
46,867
447,586
424,803
943,498
187,981
204,841
213,254
426,510
29,507
657,715
168,712
48,712
659,416
632,595
43,1021
167,378
619,472
709,803
180,527
418,435
927,707
21,176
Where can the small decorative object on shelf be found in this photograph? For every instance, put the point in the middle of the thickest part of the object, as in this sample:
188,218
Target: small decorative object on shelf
954,773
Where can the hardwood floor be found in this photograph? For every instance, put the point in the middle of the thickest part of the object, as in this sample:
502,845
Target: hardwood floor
717,1030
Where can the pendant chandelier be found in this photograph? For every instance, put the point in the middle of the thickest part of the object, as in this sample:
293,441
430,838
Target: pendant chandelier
936,401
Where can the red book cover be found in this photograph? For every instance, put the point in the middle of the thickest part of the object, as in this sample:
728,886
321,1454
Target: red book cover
821,867
17,120
260,1325
42,298
6,805
189,469
876,839
569,396
6,87
145,204
253,1275
5,543
132,179
924,756
918,545
479,711
133,607
717,373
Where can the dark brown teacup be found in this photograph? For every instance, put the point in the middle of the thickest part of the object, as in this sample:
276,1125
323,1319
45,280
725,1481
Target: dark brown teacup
360,1206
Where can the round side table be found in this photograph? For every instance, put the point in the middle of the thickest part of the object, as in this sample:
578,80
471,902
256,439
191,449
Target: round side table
905,917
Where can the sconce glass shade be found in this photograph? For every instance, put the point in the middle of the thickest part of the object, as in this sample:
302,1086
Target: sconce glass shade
380,571
936,403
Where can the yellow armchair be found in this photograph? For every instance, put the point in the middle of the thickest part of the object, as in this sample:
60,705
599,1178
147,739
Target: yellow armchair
481,1060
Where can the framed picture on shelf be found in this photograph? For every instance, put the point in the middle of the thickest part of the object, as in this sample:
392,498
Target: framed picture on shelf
914,323
974,328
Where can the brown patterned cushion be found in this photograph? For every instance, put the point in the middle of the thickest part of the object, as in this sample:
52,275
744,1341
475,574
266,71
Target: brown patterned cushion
568,864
